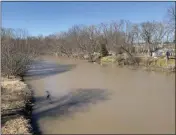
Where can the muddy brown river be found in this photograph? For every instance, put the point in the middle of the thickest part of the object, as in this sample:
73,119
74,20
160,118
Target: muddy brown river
89,98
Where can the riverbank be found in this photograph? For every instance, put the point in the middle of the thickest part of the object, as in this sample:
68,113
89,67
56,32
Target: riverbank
16,106
144,63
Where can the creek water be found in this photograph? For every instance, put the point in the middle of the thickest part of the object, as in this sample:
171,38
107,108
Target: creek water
89,98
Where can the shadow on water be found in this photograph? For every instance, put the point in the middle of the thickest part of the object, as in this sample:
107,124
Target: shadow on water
43,69
67,105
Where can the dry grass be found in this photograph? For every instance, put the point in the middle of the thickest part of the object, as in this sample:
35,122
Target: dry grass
16,126
14,94
13,84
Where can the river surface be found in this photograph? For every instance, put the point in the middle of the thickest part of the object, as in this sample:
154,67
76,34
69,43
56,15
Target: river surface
89,98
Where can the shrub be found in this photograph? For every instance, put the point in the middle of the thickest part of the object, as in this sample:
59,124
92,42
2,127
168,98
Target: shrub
16,52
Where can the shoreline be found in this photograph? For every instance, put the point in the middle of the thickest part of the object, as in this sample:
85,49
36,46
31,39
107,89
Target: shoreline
169,69
17,108
26,110
143,68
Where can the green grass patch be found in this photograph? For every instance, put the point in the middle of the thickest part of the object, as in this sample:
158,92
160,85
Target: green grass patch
161,62
108,59
142,61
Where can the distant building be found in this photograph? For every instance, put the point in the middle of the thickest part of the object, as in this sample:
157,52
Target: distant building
162,52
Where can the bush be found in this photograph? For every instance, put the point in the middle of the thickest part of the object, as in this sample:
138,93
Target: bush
16,53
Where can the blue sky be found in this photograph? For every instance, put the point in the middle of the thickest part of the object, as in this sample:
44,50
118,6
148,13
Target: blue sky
50,17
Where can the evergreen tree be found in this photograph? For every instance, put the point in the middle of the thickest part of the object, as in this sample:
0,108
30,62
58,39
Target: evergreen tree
104,51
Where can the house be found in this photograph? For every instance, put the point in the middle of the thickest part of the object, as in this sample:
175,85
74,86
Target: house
162,52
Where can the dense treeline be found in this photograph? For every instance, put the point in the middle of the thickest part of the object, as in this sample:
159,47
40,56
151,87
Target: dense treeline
88,39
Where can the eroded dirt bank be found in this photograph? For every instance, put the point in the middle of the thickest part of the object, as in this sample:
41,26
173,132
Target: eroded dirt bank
88,98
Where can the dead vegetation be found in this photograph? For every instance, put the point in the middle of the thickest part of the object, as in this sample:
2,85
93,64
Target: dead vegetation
18,51
19,125
15,96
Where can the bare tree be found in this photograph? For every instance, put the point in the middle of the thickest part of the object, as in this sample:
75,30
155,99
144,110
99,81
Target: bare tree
16,52
159,33
114,35
171,16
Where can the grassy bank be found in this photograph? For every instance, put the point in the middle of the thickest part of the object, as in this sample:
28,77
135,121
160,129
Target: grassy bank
148,63
15,111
